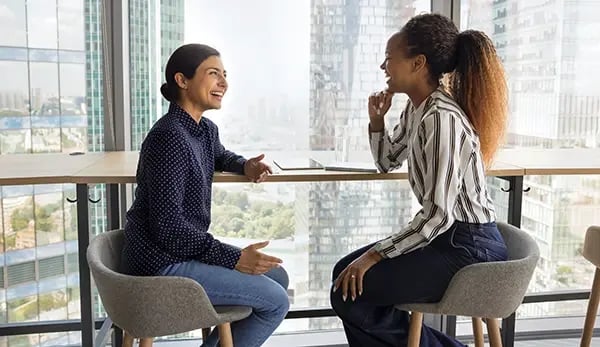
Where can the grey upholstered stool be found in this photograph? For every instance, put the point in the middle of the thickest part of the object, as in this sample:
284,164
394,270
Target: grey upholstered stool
484,290
146,307
591,252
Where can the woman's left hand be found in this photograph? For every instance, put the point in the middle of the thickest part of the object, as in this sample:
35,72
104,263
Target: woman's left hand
351,279
256,170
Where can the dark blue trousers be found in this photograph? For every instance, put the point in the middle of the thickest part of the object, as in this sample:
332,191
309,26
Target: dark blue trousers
419,276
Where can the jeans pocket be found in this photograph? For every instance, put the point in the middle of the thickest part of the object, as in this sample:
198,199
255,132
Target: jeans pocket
459,239
494,249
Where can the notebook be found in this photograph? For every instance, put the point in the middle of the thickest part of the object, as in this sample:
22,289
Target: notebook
351,166
297,164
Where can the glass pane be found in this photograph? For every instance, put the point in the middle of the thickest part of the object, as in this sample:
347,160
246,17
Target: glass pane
12,20
549,49
311,226
70,25
14,96
23,309
49,218
51,53
44,89
15,141
41,24
156,29
19,230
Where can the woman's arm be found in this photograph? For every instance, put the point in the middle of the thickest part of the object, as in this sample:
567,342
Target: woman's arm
226,160
437,173
389,152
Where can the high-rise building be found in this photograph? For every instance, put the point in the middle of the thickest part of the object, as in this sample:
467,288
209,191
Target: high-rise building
54,103
156,29
548,53
348,40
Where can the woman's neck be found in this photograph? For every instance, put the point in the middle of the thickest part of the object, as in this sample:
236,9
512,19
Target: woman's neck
192,109
421,93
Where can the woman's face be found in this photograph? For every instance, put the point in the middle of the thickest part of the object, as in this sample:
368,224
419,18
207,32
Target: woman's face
208,86
400,69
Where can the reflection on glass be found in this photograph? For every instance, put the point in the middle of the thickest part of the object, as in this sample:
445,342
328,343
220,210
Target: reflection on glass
72,89
14,96
12,20
41,24
74,140
73,301
44,89
23,340
19,227
1,253
53,305
3,317
15,141
70,24
48,218
23,309
70,214
46,140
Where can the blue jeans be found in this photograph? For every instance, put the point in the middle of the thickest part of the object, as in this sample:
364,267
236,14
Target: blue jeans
419,276
266,294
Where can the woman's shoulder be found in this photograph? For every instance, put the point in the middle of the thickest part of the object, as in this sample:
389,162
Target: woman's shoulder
164,135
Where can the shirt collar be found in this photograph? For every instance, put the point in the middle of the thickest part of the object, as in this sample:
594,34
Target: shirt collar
186,119
426,103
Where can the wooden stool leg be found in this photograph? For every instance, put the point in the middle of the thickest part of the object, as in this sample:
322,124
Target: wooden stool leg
146,342
225,338
592,310
478,331
205,333
414,330
493,332
127,339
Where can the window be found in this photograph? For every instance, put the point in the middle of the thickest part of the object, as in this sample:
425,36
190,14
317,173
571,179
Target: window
305,68
551,73
50,54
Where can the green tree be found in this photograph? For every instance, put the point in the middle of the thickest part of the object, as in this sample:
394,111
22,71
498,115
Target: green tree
21,216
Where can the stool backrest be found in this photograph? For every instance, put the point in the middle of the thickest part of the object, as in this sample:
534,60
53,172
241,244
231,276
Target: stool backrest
146,306
494,289
591,246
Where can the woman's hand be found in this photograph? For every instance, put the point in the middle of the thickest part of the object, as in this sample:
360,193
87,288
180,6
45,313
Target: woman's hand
351,279
254,262
256,170
379,104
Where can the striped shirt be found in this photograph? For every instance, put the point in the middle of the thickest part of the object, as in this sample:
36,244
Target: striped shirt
445,170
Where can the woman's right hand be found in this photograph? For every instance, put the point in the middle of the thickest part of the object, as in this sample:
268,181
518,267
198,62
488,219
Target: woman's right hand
254,262
379,104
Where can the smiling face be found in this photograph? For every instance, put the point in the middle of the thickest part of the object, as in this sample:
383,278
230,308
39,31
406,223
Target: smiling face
207,87
401,70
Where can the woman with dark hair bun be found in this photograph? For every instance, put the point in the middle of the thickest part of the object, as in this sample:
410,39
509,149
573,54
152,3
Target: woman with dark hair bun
447,135
166,233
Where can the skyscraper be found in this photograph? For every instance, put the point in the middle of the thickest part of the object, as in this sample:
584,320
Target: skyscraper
156,30
51,51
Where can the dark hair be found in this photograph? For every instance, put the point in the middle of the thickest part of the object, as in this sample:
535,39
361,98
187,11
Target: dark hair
184,59
477,79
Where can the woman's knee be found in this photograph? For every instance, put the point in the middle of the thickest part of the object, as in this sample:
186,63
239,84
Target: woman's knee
280,276
278,300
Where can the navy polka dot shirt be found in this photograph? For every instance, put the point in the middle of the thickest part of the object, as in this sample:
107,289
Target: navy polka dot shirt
168,222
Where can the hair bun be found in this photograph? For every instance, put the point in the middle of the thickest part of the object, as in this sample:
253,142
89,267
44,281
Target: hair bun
167,92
